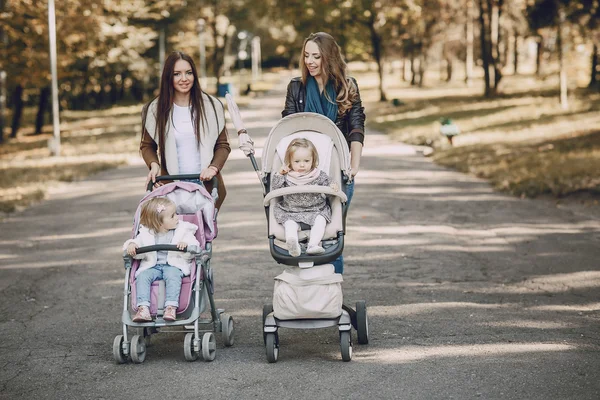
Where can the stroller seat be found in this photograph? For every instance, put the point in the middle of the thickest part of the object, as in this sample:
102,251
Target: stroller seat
157,289
333,160
330,164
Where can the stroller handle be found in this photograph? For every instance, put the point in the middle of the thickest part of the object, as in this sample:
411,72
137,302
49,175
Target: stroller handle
165,247
185,177
253,161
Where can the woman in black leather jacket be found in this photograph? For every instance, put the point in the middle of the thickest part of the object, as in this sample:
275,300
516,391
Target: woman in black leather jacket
326,89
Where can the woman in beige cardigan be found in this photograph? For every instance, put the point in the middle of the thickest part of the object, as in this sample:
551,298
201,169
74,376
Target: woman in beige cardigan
183,129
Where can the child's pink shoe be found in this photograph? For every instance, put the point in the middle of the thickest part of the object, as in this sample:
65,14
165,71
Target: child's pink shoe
170,313
142,315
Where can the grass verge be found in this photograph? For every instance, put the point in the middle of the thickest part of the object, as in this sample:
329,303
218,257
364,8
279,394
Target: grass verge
522,141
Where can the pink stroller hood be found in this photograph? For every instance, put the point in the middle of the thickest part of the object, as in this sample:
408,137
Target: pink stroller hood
191,200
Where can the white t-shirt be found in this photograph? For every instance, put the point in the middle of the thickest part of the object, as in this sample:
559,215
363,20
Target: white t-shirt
188,154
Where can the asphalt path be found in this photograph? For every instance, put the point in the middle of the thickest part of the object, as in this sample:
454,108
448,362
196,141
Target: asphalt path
471,294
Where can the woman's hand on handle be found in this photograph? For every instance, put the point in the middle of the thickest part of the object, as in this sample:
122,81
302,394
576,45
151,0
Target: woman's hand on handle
152,174
208,173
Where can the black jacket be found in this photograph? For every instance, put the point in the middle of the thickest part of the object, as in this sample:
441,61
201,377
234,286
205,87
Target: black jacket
352,123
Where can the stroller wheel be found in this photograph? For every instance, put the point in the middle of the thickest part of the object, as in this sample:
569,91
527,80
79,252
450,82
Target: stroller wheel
138,349
227,329
272,346
346,345
209,346
362,322
118,353
146,333
189,350
267,309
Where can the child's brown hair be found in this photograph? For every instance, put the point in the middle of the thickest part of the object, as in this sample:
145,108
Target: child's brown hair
153,212
295,144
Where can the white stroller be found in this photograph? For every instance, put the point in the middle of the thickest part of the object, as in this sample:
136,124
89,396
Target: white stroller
310,297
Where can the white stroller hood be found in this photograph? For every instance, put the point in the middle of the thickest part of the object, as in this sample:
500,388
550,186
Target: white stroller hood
311,126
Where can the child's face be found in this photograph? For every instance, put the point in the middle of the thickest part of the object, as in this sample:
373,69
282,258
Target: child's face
170,218
301,160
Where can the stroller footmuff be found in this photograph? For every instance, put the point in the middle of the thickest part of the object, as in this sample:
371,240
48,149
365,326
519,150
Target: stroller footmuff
309,296
195,205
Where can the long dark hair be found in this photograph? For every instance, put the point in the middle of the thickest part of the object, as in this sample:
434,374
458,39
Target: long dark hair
165,97
333,67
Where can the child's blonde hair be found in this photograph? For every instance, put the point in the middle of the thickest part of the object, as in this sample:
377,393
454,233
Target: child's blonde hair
291,149
153,212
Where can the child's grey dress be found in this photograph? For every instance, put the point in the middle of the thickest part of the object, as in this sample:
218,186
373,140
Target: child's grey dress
301,207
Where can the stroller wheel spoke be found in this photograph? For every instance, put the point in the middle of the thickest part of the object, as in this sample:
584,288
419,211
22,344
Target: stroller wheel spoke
118,353
138,349
209,346
189,348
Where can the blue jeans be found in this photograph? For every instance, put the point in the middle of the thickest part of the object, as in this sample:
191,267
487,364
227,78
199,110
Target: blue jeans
172,277
338,263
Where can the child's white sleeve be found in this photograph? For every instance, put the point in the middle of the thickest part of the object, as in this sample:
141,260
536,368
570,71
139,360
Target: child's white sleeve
129,241
191,240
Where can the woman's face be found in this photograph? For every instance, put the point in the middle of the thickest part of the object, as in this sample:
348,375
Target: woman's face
313,59
301,160
183,77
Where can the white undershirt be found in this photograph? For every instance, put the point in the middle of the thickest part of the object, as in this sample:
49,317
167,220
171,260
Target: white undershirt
188,154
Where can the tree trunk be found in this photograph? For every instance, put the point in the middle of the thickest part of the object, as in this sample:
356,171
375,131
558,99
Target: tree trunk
470,34
215,55
448,69
484,50
413,70
422,61
4,39
42,108
564,101
538,56
516,55
17,101
2,104
121,93
593,75
378,56
161,50
404,70
494,10
343,41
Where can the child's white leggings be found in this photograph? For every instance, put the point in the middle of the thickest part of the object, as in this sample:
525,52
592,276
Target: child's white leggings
316,231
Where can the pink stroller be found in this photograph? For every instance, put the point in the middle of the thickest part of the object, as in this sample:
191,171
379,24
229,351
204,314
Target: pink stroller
195,205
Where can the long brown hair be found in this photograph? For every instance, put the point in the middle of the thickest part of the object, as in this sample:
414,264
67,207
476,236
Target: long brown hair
166,96
333,67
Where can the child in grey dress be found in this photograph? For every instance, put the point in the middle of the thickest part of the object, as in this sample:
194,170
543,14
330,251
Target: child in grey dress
300,168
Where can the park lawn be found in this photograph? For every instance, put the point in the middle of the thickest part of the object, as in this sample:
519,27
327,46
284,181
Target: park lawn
91,141
522,141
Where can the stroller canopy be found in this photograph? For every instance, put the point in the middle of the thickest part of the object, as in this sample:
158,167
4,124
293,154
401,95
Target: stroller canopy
310,126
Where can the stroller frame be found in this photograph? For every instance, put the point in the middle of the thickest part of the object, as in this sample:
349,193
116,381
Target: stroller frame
349,317
194,344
